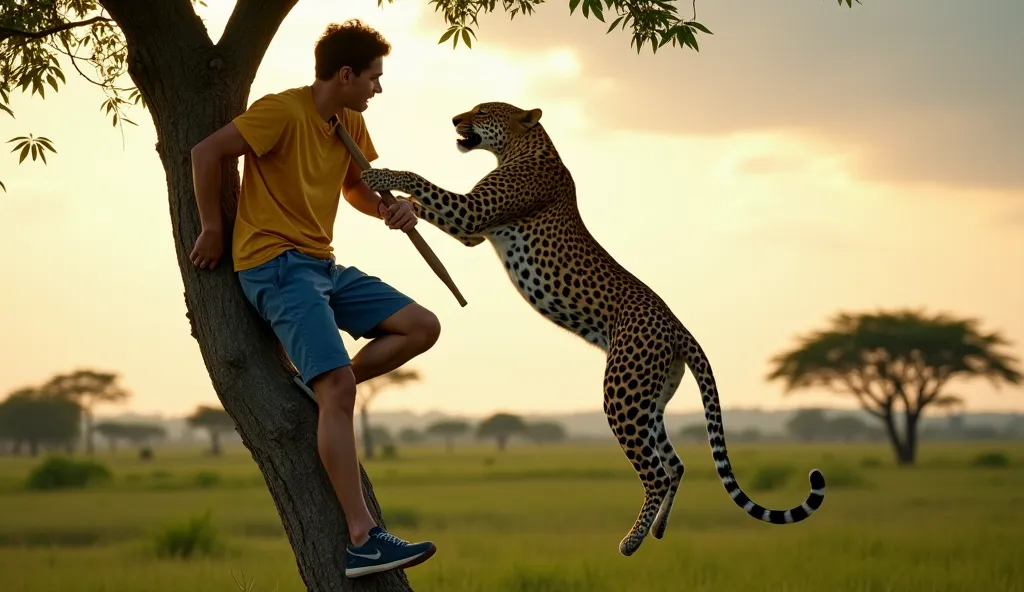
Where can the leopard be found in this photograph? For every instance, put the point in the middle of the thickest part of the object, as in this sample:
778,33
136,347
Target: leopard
526,207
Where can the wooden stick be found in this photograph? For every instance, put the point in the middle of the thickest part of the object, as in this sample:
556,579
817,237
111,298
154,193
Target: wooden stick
388,199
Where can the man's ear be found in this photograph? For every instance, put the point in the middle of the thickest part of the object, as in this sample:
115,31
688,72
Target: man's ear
528,119
345,74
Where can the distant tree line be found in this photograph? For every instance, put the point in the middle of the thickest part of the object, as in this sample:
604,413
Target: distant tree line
57,415
499,427
894,364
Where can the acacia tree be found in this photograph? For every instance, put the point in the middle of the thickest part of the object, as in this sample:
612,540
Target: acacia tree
38,417
449,429
215,421
159,56
88,387
501,427
896,364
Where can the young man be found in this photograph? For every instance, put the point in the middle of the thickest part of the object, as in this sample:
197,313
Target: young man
295,169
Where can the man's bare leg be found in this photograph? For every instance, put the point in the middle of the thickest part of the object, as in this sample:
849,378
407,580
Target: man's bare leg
336,395
373,549
410,332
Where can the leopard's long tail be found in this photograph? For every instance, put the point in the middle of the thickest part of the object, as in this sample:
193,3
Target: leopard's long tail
701,369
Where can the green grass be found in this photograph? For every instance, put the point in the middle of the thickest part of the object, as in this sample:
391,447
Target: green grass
541,519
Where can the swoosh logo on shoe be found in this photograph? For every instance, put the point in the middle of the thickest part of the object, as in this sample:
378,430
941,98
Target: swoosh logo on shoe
374,556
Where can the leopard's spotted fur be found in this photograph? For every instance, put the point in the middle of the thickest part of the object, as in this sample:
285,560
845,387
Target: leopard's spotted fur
526,207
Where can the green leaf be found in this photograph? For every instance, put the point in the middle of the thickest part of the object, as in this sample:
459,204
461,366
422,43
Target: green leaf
699,27
99,50
46,143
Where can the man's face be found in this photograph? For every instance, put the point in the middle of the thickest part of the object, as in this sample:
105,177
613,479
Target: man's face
358,90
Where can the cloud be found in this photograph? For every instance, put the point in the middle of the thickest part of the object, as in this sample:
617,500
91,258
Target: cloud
922,91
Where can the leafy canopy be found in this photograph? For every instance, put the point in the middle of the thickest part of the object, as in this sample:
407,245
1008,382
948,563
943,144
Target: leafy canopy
37,36
906,356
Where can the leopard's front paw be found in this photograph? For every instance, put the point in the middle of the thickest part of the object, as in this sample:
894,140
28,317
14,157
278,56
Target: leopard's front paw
387,180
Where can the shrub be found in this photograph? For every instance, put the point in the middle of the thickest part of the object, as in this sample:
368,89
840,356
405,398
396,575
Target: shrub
196,536
401,517
991,459
66,473
844,476
389,451
206,479
770,477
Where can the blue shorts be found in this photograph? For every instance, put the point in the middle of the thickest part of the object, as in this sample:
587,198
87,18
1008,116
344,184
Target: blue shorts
306,300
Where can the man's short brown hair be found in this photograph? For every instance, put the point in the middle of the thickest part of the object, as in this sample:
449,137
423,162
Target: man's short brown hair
351,44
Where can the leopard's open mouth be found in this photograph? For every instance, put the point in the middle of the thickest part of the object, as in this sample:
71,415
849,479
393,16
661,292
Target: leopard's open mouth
468,139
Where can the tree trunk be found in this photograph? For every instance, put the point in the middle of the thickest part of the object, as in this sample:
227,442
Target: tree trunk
908,454
192,88
89,435
894,435
215,442
904,448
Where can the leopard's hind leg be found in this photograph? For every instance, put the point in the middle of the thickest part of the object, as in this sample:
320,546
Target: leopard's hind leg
637,370
665,449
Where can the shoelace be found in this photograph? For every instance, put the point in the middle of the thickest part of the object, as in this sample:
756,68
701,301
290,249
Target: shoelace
390,538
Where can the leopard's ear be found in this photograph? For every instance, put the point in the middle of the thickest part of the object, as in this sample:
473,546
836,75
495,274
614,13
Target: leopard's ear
528,119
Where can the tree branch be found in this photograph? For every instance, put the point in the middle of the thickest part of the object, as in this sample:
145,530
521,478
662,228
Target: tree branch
927,395
865,387
863,396
8,32
172,20
250,29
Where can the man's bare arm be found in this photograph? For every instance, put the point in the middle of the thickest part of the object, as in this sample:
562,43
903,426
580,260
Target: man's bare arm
361,197
207,157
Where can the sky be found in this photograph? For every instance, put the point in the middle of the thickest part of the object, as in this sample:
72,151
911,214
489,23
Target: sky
810,159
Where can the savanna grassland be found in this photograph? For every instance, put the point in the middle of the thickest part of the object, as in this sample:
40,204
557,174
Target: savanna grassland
539,519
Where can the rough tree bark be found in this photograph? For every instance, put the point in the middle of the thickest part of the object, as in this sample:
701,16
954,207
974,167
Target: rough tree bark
192,87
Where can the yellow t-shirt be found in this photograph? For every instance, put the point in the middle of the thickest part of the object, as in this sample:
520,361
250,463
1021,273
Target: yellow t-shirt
291,186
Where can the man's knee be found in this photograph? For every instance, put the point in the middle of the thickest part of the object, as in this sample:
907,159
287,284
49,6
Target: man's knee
335,390
425,327
416,323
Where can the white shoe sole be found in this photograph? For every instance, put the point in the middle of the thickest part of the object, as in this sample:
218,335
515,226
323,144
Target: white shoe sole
407,562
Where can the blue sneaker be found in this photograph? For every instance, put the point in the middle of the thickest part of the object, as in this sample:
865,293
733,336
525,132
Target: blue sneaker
384,551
